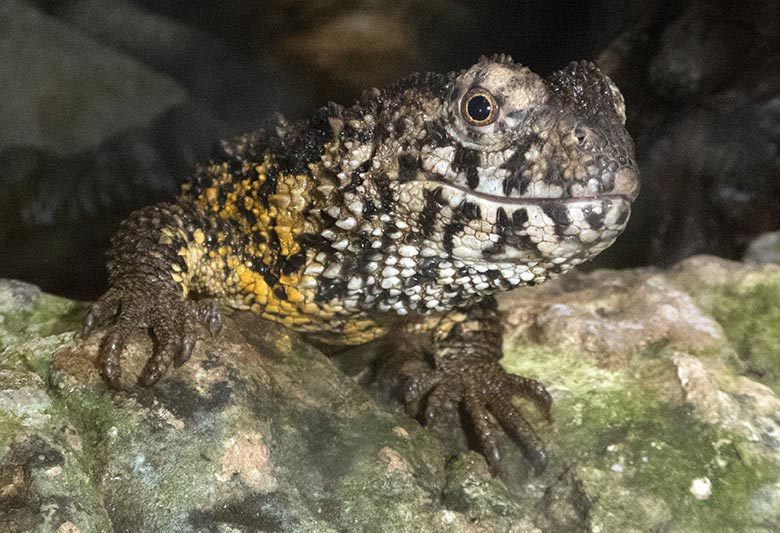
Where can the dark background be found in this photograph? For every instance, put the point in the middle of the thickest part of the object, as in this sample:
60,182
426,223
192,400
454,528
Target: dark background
106,105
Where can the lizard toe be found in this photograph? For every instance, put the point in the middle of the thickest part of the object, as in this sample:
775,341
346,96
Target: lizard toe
517,427
185,350
168,331
110,352
130,314
484,426
418,387
208,313
104,308
532,390
444,395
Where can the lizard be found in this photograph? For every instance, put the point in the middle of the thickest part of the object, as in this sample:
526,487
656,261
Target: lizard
399,216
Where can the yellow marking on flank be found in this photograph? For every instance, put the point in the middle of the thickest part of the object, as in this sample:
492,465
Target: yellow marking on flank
199,236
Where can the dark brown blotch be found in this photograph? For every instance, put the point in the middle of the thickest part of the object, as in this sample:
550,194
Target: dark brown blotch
408,167
467,211
385,193
594,220
559,215
433,204
520,217
435,135
448,238
330,289
293,263
466,160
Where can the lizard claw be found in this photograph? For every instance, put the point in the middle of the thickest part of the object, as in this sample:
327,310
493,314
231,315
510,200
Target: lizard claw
107,306
110,349
183,355
532,390
150,375
89,324
207,312
485,390
214,323
170,321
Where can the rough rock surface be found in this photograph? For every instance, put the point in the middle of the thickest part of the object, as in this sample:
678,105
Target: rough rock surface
666,418
764,249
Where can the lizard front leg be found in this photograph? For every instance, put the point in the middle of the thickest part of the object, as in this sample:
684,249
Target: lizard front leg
152,262
465,345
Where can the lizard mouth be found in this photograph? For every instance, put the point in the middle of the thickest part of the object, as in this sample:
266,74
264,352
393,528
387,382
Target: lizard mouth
620,184
519,201
457,197
480,228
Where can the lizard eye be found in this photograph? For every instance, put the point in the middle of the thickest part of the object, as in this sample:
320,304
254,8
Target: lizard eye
479,107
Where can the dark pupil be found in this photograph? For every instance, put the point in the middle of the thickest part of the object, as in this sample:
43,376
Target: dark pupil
478,108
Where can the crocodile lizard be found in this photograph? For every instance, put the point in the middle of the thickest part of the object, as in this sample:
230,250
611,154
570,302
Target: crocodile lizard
399,216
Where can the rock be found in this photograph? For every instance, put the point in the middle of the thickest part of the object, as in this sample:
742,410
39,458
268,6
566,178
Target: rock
702,88
764,249
68,92
243,90
666,417
90,133
281,441
638,423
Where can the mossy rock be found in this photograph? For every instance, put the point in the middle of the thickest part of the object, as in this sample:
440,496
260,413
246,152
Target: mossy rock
660,422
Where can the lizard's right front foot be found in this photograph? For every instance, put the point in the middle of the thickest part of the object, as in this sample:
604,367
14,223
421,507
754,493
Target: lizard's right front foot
170,320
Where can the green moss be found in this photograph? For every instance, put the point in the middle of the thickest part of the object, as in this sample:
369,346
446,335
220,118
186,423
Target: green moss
750,316
654,349
35,355
472,490
92,413
48,315
31,331
641,444
116,437
10,427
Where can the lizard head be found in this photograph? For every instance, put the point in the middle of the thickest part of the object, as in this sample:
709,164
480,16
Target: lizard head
532,174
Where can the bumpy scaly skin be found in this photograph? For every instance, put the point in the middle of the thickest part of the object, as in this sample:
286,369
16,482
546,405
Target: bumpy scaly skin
400,214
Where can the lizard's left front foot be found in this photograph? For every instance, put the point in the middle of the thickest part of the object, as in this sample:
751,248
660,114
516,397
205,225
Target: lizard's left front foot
485,390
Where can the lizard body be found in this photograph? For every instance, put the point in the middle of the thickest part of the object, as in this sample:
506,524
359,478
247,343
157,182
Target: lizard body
399,215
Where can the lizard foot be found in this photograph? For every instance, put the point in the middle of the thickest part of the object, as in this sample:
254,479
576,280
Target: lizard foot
170,319
485,390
